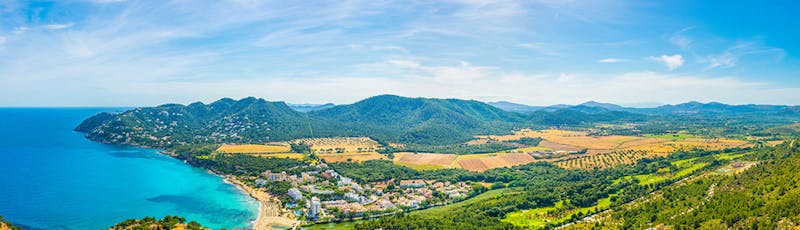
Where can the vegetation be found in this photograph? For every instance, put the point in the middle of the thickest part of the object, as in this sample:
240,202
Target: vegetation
150,223
7,225
419,121
613,157
763,197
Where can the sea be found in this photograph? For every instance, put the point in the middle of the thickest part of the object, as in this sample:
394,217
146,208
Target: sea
51,177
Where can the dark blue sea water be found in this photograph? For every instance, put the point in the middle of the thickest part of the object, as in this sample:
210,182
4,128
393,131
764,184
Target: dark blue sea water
53,178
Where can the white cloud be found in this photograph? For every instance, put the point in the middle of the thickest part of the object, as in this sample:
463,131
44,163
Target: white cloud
20,30
611,60
671,61
2,40
58,26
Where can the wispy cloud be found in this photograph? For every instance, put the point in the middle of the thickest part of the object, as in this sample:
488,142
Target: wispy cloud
731,56
58,26
133,52
612,60
671,61
681,40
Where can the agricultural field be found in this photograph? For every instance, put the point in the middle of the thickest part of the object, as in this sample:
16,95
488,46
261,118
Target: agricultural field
471,162
424,160
255,149
606,160
340,144
609,151
351,157
497,161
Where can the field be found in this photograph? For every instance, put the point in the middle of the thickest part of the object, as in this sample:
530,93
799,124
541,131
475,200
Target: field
606,160
444,210
497,161
556,214
424,160
276,150
609,151
600,151
353,157
340,144
471,162
271,148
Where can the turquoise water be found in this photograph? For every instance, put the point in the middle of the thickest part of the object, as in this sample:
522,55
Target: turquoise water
53,178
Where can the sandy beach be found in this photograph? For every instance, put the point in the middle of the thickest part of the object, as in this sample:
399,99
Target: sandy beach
270,214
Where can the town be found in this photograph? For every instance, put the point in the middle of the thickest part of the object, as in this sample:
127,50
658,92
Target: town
319,194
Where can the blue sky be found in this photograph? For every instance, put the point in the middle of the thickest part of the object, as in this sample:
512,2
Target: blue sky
638,53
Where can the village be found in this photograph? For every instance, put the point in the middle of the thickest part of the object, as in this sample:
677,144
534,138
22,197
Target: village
323,195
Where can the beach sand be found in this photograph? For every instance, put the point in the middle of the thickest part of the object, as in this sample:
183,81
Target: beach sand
270,213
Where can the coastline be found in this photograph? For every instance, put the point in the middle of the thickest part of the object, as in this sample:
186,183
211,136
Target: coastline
269,211
268,206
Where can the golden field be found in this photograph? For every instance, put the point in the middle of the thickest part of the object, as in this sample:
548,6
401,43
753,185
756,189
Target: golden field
352,157
613,150
471,162
340,144
252,148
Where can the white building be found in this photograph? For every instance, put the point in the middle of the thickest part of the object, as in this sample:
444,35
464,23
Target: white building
295,194
316,207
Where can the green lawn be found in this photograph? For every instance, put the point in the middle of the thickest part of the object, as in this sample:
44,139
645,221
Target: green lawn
728,156
444,210
539,217
535,218
689,170
683,163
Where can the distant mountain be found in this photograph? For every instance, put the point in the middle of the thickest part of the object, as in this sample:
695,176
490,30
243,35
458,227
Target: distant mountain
608,106
310,107
522,108
695,107
514,107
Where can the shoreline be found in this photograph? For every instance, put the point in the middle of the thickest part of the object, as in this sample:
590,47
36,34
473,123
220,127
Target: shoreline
264,220
269,211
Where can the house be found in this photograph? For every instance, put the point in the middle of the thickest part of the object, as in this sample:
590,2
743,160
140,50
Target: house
274,176
412,183
344,181
427,193
261,182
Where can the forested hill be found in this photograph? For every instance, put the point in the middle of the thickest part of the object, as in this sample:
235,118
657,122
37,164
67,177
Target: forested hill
423,120
386,117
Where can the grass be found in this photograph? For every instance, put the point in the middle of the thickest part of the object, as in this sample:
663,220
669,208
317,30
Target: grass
689,170
683,163
539,217
534,218
444,210
728,156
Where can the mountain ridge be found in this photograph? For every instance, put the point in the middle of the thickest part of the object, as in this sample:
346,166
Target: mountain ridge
426,121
